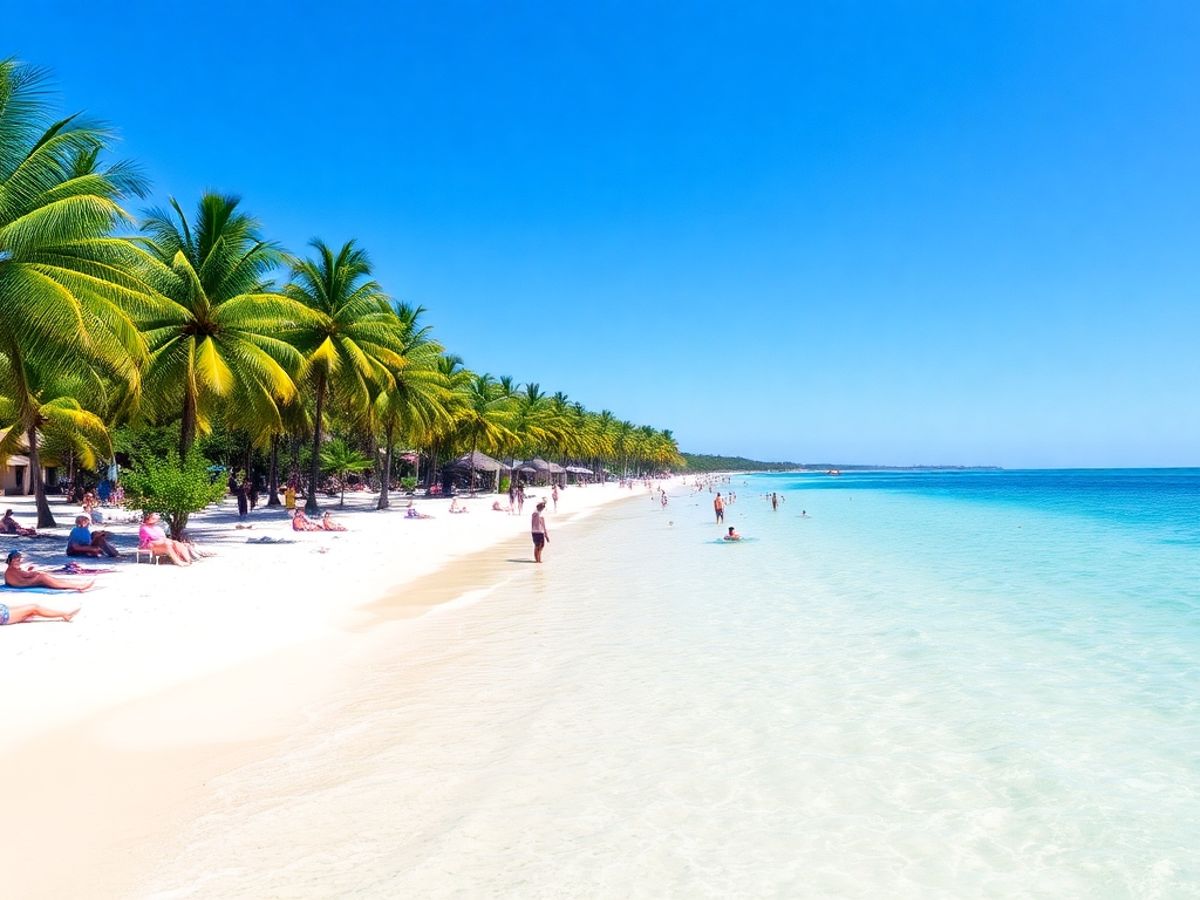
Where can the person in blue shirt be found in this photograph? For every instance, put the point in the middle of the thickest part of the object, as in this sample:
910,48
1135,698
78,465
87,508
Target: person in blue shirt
82,541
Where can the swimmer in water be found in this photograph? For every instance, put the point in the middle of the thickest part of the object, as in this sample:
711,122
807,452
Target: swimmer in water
733,535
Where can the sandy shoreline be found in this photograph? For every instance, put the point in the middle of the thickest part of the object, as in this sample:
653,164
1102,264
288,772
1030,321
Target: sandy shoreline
169,676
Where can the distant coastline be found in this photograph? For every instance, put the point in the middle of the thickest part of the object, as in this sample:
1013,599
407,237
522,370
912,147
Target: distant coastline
706,462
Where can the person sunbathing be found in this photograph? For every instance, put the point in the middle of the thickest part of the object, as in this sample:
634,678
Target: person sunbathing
152,537
9,525
17,576
12,615
413,514
455,508
328,524
300,522
496,507
82,541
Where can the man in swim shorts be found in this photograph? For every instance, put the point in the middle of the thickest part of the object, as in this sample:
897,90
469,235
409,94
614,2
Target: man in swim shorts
540,535
719,508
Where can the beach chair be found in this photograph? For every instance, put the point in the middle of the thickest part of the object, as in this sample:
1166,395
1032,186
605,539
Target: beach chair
151,556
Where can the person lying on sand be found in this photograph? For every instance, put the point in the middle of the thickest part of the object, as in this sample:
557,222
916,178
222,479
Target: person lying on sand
18,577
300,522
413,514
496,507
329,524
152,537
11,615
9,525
82,541
455,508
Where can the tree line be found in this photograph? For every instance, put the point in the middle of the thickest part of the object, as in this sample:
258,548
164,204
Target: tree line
197,323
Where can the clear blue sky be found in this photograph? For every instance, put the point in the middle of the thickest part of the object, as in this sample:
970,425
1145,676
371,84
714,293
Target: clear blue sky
858,232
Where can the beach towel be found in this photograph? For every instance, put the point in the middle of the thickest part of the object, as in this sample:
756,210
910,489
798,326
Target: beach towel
76,569
267,539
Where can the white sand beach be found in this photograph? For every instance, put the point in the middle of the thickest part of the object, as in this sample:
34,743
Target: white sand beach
167,672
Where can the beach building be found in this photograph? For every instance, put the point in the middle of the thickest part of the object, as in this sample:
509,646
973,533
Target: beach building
16,477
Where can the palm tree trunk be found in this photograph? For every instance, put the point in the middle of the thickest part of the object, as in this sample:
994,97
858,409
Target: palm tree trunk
471,483
384,501
294,469
273,479
314,465
187,427
45,517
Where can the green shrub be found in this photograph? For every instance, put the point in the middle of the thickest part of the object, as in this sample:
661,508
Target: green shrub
505,481
158,483
408,482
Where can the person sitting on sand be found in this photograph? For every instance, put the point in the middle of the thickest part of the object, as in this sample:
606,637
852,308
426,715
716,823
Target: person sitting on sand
496,507
91,509
9,525
300,522
152,537
82,541
733,535
328,524
17,577
414,514
455,508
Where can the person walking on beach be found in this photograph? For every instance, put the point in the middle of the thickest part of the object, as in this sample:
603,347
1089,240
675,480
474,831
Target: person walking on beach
554,496
541,536
243,499
520,498
719,508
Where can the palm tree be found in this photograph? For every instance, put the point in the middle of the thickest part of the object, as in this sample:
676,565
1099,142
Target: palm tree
485,416
67,286
217,347
416,401
530,421
455,378
340,458
352,341
43,401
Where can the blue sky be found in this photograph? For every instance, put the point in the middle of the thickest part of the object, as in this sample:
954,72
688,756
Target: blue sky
857,232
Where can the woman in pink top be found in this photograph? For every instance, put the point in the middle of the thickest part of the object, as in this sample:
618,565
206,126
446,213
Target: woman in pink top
152,537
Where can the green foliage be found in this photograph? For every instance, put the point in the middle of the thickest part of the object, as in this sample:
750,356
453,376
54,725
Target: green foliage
505,482
340,458
705,462
159,483
408,483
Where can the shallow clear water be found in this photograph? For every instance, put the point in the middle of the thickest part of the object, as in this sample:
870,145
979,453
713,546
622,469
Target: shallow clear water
936,685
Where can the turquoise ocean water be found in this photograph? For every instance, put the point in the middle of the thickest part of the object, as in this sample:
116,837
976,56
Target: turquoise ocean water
934,685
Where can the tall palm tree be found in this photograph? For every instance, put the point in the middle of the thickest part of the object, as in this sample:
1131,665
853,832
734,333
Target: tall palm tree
416,400
455,376
352,341
530,421
67,286
217,348
486,417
